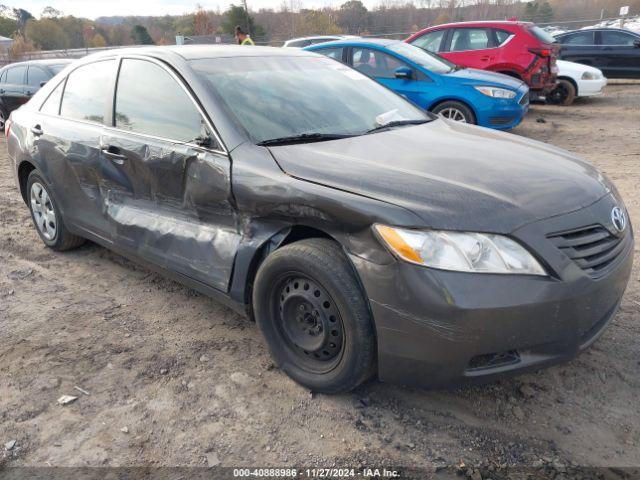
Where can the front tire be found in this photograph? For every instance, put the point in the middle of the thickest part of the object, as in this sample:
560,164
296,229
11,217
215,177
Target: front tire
46,216
314,316
564,94
456,111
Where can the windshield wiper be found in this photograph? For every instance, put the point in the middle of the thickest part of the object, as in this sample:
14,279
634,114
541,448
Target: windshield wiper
398,123
303,138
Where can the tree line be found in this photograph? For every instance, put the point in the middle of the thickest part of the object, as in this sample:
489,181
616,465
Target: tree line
55,30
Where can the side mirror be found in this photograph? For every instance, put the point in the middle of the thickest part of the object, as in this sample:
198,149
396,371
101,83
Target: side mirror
42,84
404,73
636,44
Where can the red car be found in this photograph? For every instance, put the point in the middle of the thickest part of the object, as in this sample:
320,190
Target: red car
518,49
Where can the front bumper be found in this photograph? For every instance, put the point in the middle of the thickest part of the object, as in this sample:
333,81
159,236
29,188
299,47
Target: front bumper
503,114
442,329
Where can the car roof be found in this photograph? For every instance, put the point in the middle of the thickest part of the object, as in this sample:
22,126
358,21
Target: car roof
43,61
194,52
600,29
481,23
315,37
363,42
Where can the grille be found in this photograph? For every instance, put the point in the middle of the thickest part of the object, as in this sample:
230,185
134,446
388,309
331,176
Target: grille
594,249
525,99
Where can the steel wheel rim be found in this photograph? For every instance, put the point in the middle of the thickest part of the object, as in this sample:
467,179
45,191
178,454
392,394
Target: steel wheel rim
309,323
454,114
43,212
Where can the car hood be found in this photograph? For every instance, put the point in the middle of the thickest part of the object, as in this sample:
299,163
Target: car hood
454,176
484,76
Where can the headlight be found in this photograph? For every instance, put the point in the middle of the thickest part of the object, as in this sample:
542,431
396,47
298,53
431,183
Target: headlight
591,76
460,251
496,92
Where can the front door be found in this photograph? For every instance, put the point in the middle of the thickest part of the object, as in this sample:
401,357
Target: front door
621,54
382,67
167,193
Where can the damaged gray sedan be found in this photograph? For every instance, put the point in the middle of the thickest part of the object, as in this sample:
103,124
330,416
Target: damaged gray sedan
365,236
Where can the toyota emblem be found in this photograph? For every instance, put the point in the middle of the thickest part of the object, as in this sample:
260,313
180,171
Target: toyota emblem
618,219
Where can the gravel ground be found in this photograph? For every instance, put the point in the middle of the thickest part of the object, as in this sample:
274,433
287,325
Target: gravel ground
175,379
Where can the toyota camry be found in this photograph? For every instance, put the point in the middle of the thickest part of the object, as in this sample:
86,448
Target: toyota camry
364,235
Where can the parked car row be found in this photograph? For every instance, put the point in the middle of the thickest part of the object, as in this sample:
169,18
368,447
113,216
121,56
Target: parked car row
364,235
436,81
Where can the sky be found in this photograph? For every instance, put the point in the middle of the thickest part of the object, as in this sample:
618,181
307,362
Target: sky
94,8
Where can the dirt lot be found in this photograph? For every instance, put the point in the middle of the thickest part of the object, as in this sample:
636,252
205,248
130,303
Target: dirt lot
176,379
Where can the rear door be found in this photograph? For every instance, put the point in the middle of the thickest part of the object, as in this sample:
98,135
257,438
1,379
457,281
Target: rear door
580,47
619,53
168,191
12,90
471,47
66,133
37,76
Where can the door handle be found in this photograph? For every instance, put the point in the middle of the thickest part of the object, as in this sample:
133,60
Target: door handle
113,153
485,59
37,130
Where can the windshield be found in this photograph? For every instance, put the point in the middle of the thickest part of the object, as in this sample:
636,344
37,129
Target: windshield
542,35
428,60
276,97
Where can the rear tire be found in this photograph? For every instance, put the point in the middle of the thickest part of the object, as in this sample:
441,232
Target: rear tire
46,216
564,94
314,316
3,118
456,111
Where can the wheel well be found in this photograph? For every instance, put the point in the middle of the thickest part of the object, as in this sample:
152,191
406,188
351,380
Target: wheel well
295,234
24,170
444,100
511,73
572,81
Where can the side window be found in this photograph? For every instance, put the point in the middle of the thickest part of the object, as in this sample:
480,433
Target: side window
470,39
582,38
375,63
335,53
51,105
3,77
431,41
87,90
15,75
502,36
617,38
140,109
36,75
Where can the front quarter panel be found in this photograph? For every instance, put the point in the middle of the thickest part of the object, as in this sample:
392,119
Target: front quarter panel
270,202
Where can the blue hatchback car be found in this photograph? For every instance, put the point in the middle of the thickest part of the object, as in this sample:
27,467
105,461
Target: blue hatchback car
464,94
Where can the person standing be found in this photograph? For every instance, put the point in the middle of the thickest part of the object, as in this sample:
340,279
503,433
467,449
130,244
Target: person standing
242,37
